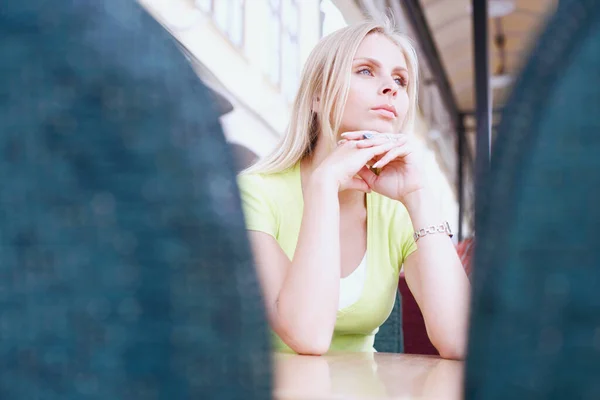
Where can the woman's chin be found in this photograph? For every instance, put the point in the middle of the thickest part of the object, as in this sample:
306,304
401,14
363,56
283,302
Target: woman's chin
377,126
382,125
380,128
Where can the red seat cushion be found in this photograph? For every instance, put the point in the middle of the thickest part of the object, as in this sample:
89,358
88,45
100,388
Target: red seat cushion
416,340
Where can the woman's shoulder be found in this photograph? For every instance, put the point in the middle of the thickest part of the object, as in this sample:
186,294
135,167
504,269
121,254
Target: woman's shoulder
275,188
266,181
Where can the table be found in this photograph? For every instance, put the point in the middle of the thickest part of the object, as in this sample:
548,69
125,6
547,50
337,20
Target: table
370,376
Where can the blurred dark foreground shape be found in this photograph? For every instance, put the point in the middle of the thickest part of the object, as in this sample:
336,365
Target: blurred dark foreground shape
535,328
125,271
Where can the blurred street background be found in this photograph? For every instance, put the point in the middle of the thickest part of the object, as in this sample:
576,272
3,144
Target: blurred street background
251,52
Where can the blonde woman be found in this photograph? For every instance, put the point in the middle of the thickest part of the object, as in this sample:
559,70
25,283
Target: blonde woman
331,211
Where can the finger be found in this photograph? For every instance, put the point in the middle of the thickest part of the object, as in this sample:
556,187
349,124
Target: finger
365,143
373,160
356,135
393,154
359,184
368,176
401,151
369,135
363,156
378,150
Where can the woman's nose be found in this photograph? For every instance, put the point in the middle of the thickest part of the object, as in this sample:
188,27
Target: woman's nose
389,87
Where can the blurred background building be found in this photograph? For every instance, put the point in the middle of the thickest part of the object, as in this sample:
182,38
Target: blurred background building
251,52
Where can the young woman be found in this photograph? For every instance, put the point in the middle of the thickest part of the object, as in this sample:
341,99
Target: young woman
331,211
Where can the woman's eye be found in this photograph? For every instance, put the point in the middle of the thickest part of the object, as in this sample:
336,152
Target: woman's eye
365,71
401,82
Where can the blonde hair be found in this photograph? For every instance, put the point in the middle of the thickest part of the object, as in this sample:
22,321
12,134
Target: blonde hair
326,76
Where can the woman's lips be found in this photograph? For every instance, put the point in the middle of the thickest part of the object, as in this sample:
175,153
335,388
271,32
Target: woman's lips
384,113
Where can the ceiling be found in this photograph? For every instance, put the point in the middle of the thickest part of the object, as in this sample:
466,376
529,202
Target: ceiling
450,22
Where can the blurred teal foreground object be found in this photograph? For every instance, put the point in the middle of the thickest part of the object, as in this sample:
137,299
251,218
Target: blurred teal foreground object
125,271
535,327
390,337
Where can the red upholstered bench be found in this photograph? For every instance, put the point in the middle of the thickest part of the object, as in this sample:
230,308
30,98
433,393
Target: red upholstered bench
416,340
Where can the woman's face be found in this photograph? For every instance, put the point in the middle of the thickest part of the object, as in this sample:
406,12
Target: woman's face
378,97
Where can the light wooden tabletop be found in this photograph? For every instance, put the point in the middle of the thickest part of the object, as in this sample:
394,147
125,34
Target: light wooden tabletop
359,376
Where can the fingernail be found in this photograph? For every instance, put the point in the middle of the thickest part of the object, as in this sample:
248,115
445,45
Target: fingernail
376,165
344,134
342,141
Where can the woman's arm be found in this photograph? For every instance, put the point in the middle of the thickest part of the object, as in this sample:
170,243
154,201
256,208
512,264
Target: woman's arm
302,295
434,272
437,279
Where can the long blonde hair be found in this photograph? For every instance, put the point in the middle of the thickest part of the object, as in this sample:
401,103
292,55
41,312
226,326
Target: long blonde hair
326,76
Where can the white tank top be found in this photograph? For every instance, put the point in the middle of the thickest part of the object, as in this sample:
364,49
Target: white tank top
351,287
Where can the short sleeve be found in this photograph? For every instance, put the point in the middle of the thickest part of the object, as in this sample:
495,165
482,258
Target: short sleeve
408,247
259,212
406,234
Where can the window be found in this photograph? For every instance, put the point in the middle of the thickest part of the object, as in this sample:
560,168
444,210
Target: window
273,41
282,39
331,18
228,16
290,52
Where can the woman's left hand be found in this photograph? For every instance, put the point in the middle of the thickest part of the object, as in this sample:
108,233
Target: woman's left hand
400,170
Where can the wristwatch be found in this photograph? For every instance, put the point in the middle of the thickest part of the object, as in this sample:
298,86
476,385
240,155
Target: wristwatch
441,228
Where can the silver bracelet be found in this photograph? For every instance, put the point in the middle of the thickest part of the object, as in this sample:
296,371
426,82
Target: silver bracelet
442,228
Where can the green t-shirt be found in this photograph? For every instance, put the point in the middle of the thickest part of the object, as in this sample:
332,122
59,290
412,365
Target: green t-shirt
273,204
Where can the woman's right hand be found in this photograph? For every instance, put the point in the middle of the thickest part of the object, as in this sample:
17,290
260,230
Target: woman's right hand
343,164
